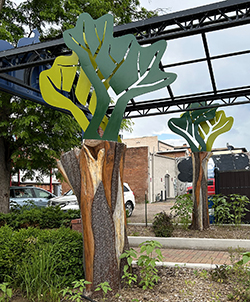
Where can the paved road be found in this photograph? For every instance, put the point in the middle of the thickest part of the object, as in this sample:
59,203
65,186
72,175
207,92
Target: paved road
152,209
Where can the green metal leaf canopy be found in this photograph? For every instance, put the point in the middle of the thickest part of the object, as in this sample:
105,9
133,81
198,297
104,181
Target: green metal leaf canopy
120,63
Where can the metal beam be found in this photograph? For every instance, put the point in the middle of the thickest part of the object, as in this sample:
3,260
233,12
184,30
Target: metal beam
200,20
206,18
180,104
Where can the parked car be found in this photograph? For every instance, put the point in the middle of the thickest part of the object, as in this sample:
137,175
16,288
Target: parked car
210,187
69,200
21,195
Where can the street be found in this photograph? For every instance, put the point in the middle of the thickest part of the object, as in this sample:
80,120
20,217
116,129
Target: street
152,209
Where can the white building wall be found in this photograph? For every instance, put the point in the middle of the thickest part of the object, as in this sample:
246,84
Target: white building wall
161,168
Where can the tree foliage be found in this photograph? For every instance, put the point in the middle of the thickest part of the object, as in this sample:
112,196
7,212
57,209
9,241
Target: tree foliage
63,14
40,136
33,136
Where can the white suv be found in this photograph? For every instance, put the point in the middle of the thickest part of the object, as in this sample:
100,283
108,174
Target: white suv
69,201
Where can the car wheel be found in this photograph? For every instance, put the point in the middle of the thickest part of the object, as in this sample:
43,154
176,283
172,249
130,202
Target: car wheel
129,208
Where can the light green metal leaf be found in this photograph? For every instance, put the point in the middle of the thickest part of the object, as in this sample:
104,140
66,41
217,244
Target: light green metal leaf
201,127
188,126
210,130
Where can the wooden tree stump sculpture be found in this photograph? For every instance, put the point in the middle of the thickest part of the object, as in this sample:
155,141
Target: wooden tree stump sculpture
200,128
200,220
96,174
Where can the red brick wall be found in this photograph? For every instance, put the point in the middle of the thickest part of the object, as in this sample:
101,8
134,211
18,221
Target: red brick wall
77,225
65,187
136,171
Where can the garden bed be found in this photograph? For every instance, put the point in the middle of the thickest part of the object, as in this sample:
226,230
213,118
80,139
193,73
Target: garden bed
217,232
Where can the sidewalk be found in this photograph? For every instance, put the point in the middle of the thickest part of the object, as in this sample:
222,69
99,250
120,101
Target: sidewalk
194,256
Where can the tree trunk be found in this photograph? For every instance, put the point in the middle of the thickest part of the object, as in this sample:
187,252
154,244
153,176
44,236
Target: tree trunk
1,4
96,175
200,219
5,172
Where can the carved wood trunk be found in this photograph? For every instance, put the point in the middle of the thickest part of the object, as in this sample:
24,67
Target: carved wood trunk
200,219
96,175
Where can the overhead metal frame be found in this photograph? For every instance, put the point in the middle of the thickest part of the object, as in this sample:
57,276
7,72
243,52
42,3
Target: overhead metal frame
197,21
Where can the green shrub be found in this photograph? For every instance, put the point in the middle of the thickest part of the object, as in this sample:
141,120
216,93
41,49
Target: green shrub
162,225
182,210
43,218
229,209
37,276
18,247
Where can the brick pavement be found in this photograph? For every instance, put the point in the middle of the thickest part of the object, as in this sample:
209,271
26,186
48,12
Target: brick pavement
194,256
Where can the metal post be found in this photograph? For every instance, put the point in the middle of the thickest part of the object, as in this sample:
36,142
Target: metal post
146,218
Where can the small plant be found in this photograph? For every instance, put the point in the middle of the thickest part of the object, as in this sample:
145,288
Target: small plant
80,285
202,274
147,263
104,286
182,210
245,258
220,273
128,276
235,254
240,278
238,206
229,209
222,209
6,292
162,225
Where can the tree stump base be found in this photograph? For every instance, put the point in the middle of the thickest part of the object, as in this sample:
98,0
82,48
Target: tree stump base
96,175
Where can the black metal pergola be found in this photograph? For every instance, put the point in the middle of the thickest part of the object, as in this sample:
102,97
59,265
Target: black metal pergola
200,21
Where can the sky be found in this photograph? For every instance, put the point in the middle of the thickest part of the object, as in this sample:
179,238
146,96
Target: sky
192,81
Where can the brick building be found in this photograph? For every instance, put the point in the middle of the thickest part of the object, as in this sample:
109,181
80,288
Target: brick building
150,168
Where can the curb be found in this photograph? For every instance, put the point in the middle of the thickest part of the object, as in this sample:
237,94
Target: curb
186,265
193,243
150,224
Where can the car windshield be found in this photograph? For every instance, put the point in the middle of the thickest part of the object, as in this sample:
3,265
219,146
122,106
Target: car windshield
70,192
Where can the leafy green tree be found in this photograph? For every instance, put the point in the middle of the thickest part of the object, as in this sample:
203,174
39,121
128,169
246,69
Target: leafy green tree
63,14
33,136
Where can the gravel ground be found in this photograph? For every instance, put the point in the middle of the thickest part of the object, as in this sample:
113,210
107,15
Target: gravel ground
219,232
178,284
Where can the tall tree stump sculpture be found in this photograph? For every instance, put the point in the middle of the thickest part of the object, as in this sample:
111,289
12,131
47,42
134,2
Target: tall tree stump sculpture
200,128
200,219
99,62
98,169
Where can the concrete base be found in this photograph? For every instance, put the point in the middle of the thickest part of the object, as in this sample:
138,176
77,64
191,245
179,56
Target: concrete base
183,243
186,265
193,243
